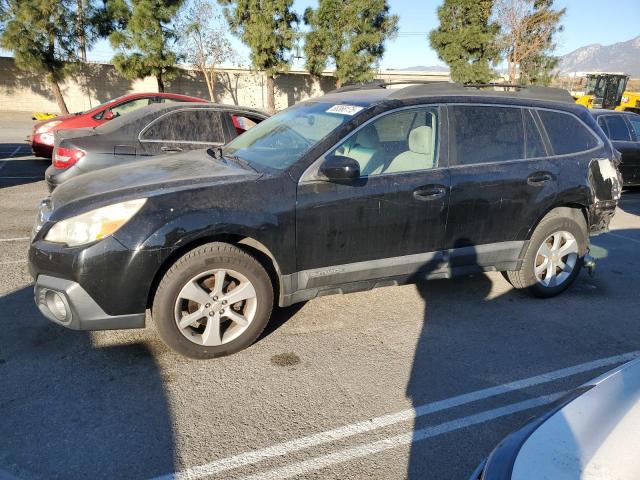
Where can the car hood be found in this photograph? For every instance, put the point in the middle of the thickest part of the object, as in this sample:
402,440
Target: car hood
159,175
595,436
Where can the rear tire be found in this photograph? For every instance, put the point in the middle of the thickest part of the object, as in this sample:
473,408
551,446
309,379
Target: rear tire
214,301
554,256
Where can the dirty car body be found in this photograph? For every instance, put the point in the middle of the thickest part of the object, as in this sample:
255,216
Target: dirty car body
161,128
268,196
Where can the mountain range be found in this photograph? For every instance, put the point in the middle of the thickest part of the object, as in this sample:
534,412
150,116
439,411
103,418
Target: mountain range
620,57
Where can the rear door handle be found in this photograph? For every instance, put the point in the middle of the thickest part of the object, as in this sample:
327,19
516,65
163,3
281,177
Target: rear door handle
171,149
539,178
432,192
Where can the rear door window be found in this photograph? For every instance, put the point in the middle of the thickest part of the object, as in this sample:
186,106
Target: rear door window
618,129
186,126
566,133
487,134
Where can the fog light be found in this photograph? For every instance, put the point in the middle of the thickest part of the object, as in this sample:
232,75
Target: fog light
56,305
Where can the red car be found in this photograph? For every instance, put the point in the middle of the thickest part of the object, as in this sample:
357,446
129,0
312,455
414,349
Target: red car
42,135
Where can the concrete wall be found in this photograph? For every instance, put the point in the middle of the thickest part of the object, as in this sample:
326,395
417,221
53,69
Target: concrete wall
98,83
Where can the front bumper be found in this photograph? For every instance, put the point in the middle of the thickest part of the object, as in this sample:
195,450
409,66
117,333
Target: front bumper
76,309
104,285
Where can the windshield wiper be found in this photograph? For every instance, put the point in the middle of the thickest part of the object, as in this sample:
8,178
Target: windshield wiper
240,161
218,155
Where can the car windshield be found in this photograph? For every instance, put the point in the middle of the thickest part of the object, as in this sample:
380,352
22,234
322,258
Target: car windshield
281,140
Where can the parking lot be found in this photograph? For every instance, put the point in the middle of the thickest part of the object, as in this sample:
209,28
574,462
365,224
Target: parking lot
416,382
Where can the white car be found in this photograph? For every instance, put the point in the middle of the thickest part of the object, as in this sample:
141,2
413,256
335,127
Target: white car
594,434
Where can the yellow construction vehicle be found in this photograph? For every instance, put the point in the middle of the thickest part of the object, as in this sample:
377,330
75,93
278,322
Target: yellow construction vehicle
607,90
42,116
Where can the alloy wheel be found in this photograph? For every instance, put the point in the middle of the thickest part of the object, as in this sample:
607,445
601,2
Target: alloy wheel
215,307
556,259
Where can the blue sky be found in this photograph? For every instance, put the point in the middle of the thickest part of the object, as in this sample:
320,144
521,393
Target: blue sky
586,22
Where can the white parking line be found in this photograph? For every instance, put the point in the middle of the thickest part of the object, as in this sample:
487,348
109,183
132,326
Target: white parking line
16,239
347,454
295,445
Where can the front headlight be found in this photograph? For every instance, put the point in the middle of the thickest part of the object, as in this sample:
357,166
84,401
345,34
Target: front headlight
94,225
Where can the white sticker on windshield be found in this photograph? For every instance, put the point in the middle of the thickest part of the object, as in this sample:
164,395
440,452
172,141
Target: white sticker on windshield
345,109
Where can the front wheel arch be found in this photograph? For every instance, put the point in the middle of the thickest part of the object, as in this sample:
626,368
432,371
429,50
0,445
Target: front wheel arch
250,245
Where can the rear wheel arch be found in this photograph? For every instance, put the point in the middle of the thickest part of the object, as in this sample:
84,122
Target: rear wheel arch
574,210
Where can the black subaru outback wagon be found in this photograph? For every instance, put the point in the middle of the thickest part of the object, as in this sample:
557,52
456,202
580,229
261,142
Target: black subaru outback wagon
361,188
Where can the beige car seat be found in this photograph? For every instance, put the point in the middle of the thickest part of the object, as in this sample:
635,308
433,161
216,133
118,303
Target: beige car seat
420,155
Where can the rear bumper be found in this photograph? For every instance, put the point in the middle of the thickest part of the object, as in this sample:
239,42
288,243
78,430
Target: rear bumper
76,309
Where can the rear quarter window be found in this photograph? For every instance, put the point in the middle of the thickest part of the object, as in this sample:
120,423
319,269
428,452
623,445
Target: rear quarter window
566,133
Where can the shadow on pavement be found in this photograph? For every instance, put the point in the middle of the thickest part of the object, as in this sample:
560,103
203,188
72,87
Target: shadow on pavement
8,150
463,348
100,413
16,170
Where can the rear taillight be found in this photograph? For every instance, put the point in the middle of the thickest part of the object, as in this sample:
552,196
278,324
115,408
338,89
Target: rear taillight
65,157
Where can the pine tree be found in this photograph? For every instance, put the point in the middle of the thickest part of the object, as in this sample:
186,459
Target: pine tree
349,34
43,38
145,39
266,27
466,39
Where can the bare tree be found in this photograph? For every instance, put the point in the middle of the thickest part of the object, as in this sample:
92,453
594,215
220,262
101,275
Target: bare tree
203,41
528,27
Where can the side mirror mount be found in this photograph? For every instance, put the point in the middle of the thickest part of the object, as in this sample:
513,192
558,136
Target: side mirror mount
109,115
340,169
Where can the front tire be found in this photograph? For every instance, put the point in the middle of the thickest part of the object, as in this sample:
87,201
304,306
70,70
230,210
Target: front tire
214,301
554,256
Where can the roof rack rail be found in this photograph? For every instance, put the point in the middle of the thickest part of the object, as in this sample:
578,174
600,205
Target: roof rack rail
439,87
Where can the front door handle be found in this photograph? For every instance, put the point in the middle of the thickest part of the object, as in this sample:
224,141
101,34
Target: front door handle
431,192
171,149
539,178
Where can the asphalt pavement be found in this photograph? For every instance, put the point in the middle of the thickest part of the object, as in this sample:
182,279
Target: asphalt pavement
417,382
